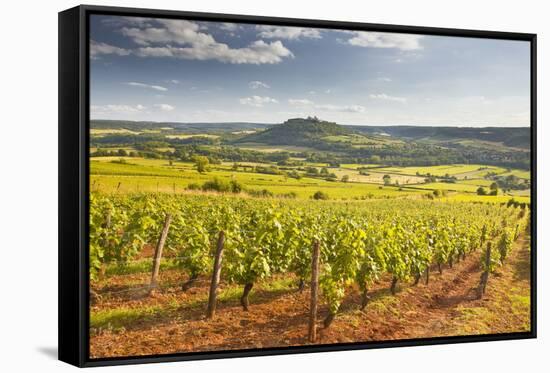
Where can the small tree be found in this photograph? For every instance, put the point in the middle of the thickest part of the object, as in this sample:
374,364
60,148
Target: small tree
201,163
374,159
494,189
481,191
387,179
345,178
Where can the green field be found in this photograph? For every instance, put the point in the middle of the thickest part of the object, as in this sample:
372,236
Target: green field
522,174
478,182
469,170
355,166
187,136
153,175
359,140
132,174
457,187
375,177
111,131
273,148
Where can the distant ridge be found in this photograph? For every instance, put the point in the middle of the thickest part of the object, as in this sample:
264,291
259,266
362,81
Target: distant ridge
191,126
298,131
510,136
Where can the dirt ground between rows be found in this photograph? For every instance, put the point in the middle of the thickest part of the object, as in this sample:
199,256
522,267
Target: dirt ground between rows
447,306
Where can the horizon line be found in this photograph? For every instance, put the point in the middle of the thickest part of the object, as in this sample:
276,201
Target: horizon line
342,124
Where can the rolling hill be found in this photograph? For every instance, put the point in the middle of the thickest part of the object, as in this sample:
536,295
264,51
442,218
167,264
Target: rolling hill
297,131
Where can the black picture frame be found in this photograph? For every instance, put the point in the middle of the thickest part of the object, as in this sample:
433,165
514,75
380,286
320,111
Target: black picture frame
74,186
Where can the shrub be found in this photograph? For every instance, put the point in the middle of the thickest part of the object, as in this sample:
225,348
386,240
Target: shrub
193,186
481,191
235,186
289,195
119,161
264,193
320,195
219,185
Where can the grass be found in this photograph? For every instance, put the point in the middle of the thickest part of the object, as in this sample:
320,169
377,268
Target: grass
384,303
111,131
355,139
139,266
118,319
442,170
457,187
157,175
152,175
355,166
522,174
475,320
273,148
477,182
279,284
470,197
375,177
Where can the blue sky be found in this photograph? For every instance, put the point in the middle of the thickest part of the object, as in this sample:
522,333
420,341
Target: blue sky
181,71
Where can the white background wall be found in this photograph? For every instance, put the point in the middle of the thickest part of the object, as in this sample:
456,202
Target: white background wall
28,184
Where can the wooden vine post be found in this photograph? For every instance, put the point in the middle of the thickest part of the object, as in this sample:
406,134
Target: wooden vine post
314,292
485,274
158,252
211,310
105,242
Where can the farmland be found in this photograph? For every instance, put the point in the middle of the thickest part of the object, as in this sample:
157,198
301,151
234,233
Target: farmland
401,248
364,277
134,174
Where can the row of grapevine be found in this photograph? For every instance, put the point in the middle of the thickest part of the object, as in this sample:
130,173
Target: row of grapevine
358,241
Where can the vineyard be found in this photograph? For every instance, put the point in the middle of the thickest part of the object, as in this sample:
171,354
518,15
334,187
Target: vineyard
331,248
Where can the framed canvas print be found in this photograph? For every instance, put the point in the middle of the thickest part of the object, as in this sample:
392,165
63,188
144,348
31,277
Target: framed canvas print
235,186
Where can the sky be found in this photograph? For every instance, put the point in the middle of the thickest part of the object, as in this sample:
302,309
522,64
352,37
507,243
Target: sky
168,70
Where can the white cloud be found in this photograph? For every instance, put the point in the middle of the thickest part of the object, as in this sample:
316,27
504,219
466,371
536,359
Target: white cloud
143,85
384,79
229,26
257,53
383,96
327,91
342,108
118,109
405,42
167,31
255,84
291,33
164,107
257,101
183,39
300,101
97,49
174,81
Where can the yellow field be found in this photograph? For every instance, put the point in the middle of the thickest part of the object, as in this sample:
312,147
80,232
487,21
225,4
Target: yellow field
134,174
